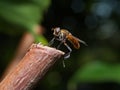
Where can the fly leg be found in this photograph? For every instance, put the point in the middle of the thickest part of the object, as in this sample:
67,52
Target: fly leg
51,42
67,55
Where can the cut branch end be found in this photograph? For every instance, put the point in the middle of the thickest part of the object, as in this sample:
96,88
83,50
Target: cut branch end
31,68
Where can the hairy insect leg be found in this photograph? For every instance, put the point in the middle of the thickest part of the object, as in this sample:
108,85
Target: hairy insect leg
67,55
51,42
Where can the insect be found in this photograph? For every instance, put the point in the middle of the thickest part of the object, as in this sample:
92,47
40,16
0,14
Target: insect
63,35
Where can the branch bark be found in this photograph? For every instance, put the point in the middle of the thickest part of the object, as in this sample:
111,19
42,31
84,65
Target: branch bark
31,68
26,40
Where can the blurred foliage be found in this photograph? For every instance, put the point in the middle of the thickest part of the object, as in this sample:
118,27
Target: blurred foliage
18,16
96,72
94,21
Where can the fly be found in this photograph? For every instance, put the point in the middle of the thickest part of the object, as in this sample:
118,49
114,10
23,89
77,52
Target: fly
62,35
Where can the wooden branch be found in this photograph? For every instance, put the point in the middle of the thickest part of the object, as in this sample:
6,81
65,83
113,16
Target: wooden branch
31,68
26,40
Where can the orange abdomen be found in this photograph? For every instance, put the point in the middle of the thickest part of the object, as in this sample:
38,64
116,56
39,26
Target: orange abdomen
74,41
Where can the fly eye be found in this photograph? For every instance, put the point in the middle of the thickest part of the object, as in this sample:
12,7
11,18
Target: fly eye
57,29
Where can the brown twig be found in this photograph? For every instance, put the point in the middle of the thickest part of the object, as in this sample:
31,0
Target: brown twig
26,40
31,68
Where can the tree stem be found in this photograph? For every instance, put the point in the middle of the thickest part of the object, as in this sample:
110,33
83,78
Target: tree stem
31,68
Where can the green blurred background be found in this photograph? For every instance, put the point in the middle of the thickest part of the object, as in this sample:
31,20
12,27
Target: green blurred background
95,67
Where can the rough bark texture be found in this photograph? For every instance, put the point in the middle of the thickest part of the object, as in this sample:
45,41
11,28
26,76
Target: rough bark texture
31,68
25,42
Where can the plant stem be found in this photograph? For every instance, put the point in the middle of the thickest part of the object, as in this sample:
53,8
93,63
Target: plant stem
31,68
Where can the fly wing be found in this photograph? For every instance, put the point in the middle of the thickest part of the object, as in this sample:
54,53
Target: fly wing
74,41
83,42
